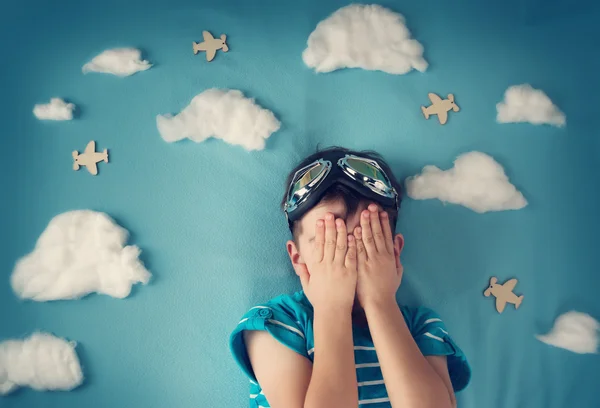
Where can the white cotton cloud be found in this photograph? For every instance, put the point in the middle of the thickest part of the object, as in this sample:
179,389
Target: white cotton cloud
80,252
364,36
119,61
476,181
222,114
56,109
41,361
522,103
574,331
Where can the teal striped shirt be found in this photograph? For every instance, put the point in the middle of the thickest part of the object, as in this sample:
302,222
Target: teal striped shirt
289,320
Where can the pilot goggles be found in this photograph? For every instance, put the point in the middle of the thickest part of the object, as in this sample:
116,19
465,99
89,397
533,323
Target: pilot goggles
363,175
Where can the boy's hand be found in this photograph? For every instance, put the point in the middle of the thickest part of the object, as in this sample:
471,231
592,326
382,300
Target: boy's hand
379,268
330,283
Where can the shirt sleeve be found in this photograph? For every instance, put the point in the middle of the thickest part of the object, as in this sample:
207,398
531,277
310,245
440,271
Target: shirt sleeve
277,320
430,334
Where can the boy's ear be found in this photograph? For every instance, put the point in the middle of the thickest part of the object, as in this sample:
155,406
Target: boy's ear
398,246
398,243
296,259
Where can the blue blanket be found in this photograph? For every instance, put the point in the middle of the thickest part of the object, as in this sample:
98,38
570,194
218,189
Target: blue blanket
206,216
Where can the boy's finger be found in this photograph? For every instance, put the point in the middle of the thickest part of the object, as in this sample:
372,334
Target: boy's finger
361,253
351,254
330,237
319,240
367,233
341,245
387,231
376,228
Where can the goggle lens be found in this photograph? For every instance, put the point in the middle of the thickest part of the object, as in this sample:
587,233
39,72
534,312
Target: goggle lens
303,179
311,174
366,169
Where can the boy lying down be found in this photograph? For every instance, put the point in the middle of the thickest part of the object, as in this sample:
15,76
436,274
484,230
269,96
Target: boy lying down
343,341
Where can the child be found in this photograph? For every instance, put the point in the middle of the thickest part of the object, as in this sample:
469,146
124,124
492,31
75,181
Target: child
343,341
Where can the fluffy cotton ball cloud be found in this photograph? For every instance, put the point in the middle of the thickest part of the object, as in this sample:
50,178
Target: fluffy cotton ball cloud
56,109
119,61
364,36
80,252
574,331
476,181
223,114
522,103
42,362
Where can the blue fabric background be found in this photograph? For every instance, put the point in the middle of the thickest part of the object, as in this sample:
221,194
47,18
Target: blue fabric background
206,215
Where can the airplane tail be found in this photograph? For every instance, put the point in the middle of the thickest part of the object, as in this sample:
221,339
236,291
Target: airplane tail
75,155
425,113
519,300
224,39
105,153
195,47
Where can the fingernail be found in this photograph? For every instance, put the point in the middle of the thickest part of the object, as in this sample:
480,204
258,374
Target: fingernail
338,222
373,207
329,217
366,214
384,215
319,223
350,238
358,230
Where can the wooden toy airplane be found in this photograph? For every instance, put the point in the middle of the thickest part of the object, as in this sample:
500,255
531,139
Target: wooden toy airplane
210,45
440,107
89,158
503,294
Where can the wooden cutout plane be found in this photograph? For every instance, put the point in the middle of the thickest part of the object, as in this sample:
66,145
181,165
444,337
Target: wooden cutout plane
440,107
210,45
89,158
503,293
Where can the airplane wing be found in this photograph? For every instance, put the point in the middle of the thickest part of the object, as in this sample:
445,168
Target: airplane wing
434,98
500,305
443,117
92,168
91,147
510,285
207,36
210,54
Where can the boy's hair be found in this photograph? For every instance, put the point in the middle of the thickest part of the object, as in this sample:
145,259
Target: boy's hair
340,192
